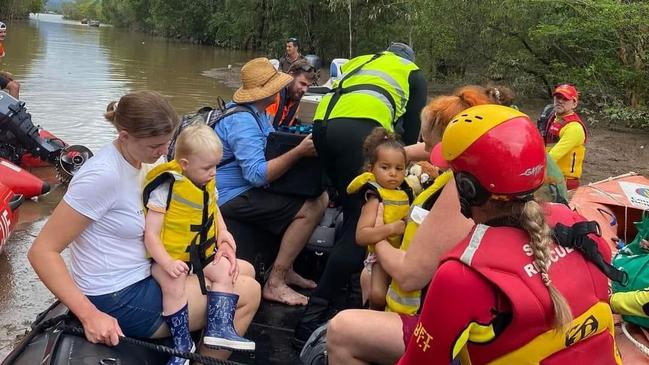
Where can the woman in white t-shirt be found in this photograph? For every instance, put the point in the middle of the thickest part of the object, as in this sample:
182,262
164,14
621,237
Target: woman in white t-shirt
101,218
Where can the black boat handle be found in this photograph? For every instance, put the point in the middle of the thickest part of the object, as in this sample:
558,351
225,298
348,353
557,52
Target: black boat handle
16,201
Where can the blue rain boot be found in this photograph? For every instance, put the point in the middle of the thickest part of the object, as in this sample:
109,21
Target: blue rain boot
220,332
178,324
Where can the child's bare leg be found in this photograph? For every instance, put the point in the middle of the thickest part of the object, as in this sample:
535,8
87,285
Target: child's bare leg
175,310
366,285
217,275
173,289
379,287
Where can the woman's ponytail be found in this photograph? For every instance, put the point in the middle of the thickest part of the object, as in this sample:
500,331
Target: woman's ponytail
532,220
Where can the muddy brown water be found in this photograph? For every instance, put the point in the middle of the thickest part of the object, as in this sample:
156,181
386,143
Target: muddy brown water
69,72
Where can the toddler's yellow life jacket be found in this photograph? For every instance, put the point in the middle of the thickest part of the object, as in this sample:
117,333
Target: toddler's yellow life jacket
396,203
191,213
397,299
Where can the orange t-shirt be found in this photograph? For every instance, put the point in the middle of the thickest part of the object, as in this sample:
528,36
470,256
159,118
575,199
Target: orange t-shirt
2,49
272,109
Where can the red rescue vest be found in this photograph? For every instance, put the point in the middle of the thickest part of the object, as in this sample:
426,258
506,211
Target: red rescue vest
503,257
556,124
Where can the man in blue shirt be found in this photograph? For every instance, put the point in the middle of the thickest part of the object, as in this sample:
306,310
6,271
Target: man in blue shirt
245,171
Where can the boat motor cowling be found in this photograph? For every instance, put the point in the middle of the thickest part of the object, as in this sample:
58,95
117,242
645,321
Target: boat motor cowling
15,119
19,136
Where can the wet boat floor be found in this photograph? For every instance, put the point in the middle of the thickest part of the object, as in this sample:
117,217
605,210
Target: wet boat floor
272,330
273,325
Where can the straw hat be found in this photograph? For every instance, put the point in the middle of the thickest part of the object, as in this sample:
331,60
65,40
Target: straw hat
260,80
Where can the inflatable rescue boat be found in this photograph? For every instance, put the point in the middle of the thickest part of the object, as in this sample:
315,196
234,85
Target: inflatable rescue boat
9,203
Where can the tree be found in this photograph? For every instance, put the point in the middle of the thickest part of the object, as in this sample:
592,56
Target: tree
12,9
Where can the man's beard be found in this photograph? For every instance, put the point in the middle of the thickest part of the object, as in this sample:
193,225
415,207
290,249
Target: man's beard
296,96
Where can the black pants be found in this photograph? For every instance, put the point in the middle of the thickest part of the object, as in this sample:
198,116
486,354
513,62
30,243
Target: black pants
340,146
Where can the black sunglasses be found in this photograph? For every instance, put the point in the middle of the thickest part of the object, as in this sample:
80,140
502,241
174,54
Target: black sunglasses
304,68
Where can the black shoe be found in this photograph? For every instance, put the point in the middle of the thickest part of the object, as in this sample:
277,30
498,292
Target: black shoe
314,316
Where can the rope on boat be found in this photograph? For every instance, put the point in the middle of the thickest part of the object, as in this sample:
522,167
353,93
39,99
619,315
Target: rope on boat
60,320
642,347
609,195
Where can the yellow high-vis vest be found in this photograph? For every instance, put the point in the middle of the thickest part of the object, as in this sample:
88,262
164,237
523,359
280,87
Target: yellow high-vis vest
376,90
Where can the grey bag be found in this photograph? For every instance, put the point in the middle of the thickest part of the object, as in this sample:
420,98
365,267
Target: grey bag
314,351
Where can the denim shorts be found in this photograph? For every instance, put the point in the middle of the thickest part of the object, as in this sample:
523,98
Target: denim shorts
137,308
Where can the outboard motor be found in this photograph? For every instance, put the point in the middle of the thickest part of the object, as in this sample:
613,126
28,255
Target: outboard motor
15,120
70,161
18,135
335,74
316,63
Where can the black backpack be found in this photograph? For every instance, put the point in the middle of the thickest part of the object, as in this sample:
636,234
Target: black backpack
544,119
210,116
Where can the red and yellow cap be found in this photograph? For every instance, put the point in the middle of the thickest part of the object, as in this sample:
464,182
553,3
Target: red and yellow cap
567,91
499,146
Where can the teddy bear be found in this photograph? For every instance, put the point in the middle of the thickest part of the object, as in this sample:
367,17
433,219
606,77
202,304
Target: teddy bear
421,175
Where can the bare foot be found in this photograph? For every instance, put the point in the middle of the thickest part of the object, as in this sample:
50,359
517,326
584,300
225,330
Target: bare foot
293,278
284,294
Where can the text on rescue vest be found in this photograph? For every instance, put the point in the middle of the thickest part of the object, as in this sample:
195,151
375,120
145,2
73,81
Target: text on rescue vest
556,253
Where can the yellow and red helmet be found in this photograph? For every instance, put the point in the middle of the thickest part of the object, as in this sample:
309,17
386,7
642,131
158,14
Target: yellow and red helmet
499,147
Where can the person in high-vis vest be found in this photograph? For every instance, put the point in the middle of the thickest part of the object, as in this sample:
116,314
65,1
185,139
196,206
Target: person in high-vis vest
510,292
434,213
383,182
566,135
284,111
382,90
182,232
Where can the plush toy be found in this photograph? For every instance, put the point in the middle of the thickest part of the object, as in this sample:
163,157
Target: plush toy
421,175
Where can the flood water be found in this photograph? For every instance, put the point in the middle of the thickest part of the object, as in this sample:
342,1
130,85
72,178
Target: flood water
69,72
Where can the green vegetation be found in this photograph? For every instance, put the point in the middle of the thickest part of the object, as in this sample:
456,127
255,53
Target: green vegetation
79,9
18,9
55,6
599,45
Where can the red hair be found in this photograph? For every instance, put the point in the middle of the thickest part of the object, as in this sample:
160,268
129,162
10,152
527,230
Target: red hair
440,111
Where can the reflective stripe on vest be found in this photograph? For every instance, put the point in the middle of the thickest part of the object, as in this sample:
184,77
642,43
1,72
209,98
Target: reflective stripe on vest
474,244
396,202
397,299
390,80
385,102
383,99
406,299
185,218
502,256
